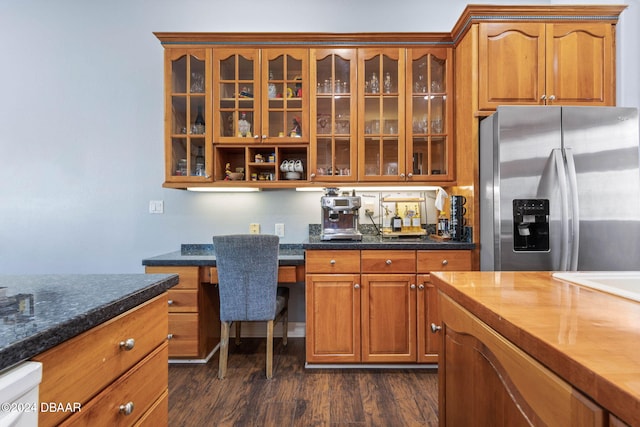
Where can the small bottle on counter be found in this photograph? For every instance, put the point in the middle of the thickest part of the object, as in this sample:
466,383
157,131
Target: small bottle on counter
396,222
443,225
416,225
406,221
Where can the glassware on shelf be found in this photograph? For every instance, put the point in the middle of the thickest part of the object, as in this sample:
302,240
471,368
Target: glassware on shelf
244,127
387,83
374,84
272,87
197,83
419,86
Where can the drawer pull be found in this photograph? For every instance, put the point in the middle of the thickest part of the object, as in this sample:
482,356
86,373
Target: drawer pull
435,328
169,336
127,408
388,262
332,262
357,286
128,344
170,302
413,286
445,262
421,286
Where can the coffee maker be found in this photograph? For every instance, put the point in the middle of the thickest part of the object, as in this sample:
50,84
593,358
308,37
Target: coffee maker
340,215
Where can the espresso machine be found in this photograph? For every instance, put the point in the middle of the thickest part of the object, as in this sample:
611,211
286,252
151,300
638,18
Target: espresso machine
340,215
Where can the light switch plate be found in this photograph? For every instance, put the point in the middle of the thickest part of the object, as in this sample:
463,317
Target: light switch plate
254,228
280,230
156,206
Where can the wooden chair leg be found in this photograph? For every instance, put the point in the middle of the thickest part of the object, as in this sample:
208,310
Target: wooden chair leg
269,349
238,332
224,349
285,325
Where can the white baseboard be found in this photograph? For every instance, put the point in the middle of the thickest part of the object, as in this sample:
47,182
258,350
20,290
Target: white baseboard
259,330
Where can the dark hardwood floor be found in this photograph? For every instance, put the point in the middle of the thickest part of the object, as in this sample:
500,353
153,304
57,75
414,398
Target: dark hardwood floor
297,396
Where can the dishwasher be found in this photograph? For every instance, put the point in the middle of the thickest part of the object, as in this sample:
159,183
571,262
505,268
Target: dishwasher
19,395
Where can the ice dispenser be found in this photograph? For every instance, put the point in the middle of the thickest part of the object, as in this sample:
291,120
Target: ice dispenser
531,225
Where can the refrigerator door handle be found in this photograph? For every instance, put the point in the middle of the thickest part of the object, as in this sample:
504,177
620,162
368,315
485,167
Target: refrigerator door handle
575,212
564,208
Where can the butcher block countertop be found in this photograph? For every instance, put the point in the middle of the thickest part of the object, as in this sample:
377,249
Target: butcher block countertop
589,338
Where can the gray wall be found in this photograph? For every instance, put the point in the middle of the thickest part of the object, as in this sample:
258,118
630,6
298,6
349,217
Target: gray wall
81,123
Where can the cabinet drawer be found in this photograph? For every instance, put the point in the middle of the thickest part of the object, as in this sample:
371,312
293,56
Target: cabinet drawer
333,261
141,386
189,277
77,369
181,301
444,261
158,414
183,328
286,274
389,261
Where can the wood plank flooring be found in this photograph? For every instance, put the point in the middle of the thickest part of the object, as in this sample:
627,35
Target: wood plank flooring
297,396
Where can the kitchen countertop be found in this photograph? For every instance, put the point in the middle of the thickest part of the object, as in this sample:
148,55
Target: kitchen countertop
42,311
293,254
587,337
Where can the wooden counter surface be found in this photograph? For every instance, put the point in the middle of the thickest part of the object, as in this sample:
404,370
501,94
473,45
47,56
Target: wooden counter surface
589,338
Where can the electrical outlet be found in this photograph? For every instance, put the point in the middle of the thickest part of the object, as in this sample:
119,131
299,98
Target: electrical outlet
156,206
254,228
280,230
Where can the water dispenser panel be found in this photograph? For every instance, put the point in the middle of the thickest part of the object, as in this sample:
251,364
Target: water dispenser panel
531,225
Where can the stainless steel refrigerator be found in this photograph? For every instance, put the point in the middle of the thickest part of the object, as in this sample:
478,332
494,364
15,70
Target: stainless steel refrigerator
560,189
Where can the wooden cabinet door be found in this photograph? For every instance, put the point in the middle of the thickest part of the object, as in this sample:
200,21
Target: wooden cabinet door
428,314
333,318
388,318
580,64
487,379
511,64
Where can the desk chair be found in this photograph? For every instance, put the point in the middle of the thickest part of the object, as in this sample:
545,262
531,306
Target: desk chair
248,282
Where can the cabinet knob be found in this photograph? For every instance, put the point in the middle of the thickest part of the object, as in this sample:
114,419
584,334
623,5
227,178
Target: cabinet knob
256,137
409,175
445,262
170,302
313,175
413,286
388,262
126,409
332,262
421,286
435,328
356,286
552,98
128,344
543,97
264,137
169,336
402,175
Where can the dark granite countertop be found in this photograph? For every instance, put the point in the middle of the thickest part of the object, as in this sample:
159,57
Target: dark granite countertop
42,311
378,242
204,255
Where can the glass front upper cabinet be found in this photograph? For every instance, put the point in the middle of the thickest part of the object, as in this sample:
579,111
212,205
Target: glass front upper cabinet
187,83
381,100
429,140
261,95
333,115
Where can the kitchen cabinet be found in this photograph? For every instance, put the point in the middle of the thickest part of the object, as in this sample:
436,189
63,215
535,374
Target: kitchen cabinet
115,373
537,63
374,306
333,156
515,388
193,306
187,90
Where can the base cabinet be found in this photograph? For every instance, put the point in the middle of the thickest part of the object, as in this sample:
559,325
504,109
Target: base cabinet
374,306
486,379
194,323
114,374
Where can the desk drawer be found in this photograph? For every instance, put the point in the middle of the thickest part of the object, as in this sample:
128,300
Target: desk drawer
140,387
286,274
333,261
388,261
181,300
189,277
77,369
444,261
183,328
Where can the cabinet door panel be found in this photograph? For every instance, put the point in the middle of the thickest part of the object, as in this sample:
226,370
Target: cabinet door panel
512,64
388,318
428,314
333,318
580,63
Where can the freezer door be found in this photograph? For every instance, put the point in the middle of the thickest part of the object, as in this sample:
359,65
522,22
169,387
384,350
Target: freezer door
603,142
518,145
